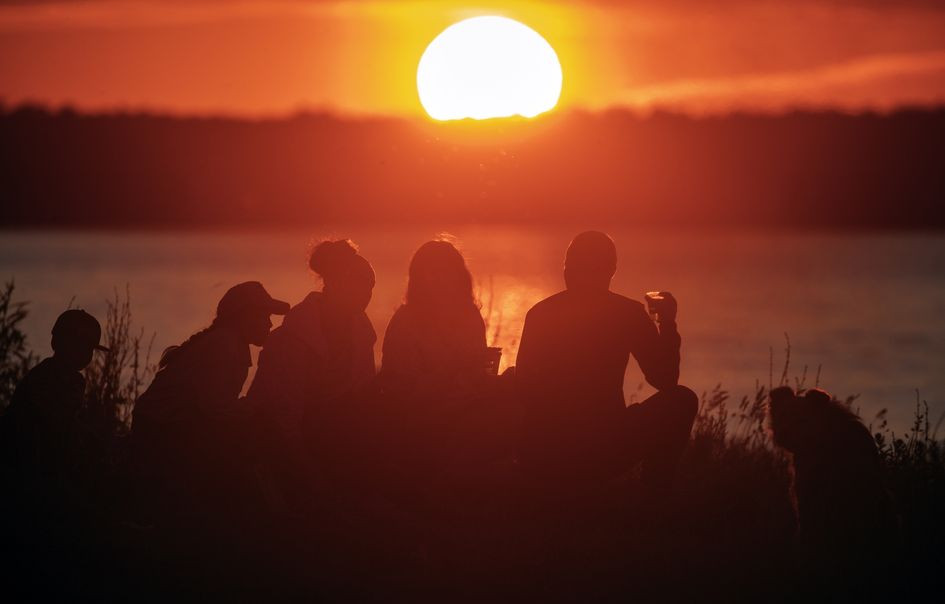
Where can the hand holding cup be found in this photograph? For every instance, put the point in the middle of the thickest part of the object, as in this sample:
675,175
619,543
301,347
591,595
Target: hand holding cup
662,306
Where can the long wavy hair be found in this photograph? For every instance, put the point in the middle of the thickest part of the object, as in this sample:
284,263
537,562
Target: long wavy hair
439,279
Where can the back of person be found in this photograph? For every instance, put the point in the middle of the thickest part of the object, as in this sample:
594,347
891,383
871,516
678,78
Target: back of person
50,504
570,370
189,427
433,372
575,353
311,373
41,423
200,384
434,354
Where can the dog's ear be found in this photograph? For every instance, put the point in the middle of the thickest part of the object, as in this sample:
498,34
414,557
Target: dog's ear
782,394
816,395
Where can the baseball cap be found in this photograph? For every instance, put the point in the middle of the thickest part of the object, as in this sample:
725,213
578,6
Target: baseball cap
249,295
79,326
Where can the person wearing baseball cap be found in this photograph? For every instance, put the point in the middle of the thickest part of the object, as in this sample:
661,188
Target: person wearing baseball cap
42,423
190,422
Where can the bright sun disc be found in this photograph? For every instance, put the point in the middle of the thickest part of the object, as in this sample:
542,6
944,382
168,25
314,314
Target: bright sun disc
488,67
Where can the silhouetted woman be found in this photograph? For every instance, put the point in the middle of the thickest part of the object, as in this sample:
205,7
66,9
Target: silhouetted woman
312,369
452,423
189,424
435,345
433,374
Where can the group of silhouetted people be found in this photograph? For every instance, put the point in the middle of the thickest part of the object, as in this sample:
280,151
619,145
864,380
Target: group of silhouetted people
324,438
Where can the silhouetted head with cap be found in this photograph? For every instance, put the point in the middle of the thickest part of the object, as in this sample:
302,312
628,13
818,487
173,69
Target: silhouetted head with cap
348,277
439,278
75,336
247,308
591,262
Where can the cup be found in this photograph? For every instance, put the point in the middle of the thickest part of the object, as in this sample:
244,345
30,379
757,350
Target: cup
653,302
493,356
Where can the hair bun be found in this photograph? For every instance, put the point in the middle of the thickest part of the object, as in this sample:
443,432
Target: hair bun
329,256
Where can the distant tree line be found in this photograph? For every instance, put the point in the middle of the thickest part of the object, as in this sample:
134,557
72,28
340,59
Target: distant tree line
827,170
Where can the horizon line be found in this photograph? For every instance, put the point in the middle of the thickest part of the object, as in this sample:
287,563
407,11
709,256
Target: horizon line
66,108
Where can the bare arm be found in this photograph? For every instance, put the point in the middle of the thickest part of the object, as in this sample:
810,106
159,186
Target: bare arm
656,348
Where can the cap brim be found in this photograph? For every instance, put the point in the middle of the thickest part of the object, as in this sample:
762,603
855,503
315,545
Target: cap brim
278,307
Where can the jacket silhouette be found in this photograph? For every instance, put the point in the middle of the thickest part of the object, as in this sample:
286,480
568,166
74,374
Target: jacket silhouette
190,426
312,370
48,468
570,370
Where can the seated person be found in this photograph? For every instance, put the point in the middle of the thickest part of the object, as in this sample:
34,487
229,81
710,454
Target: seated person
434,374
42,433
313,372
570,370
435,344
190,426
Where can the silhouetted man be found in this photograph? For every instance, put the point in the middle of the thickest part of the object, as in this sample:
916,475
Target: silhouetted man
43,413
570,370
44,440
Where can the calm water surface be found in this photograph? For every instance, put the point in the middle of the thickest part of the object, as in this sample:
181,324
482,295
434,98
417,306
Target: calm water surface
869,310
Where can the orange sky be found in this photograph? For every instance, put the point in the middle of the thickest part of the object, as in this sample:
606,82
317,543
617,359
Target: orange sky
357,57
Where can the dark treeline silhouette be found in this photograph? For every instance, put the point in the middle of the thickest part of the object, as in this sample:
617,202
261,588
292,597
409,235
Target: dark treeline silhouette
61,168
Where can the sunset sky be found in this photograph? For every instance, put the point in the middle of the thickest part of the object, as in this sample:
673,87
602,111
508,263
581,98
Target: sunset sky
360,57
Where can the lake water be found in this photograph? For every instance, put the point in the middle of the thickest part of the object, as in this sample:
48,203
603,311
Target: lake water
868,309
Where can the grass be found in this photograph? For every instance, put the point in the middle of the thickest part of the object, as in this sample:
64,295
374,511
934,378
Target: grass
15,356
116,378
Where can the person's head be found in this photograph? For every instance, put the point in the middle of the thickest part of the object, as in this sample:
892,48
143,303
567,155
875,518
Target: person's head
349,278
438,277
247,308
794,419
75,336
591,262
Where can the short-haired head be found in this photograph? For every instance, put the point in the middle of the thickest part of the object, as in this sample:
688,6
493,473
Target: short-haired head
591,261
75,336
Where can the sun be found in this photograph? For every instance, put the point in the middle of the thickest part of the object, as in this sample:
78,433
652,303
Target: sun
487,67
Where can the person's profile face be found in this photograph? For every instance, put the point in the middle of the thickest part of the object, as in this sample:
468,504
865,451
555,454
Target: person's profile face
75,356
258,325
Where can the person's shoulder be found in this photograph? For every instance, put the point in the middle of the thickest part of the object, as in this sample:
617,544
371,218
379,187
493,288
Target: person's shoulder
221,337
44,368
365,329
310,305
222,343
402,313
549,304
301,322
48,381
399,320
625,303
48,371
